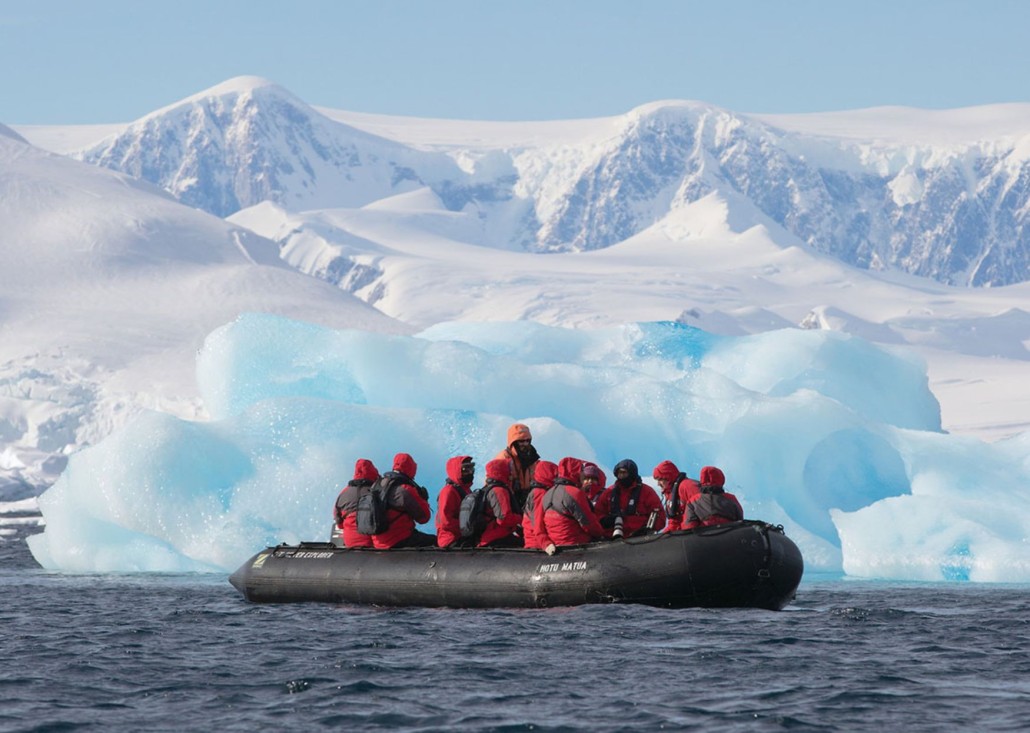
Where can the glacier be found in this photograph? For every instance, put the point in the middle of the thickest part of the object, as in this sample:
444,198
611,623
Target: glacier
835,438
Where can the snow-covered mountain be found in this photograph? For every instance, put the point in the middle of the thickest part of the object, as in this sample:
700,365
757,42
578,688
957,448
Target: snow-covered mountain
248,141
953,210
675,211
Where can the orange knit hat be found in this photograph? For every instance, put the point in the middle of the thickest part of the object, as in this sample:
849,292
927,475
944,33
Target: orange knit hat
518,431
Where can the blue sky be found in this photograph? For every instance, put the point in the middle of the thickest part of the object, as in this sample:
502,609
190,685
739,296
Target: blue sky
78,61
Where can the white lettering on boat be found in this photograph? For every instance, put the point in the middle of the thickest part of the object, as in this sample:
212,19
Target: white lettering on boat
558,567
305,554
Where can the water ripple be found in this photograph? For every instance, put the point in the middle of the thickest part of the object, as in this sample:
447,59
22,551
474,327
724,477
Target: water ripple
172,653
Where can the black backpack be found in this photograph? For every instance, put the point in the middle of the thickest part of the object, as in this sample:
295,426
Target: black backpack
472,514
372,506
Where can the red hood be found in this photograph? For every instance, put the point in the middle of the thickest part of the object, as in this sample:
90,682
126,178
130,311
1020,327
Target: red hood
666,470
365,470
499,470
454,467
405,464
712,476
570,468
545,473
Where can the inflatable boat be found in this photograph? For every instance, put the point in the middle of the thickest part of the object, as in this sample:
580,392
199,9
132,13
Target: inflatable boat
745,564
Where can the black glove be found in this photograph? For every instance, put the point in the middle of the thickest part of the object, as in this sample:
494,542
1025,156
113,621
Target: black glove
422,491
608,521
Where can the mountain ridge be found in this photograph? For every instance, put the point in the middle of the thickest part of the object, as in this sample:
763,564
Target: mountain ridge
954,213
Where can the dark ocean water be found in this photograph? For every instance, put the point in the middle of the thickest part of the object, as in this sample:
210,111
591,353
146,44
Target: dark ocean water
183,653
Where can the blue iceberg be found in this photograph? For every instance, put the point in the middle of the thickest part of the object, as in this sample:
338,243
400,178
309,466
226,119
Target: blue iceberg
838,440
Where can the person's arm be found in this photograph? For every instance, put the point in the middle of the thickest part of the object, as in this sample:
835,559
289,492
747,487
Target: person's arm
691,520
447,507
740,509
582,512
500,503
338,510
688,488
652,503
410,501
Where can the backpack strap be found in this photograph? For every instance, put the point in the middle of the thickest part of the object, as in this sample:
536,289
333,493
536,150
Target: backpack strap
462,490
384,483
674,499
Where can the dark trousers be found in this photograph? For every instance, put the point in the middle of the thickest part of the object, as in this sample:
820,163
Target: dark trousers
512,540
417,539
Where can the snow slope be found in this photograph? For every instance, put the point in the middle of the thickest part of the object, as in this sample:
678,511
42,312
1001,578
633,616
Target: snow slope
108,287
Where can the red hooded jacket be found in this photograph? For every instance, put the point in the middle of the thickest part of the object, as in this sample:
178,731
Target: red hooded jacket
448,506
676,494
713,505
568,518
502,517
533,511
636,517
406,504
346,509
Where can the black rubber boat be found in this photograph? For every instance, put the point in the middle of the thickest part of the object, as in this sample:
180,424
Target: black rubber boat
746,564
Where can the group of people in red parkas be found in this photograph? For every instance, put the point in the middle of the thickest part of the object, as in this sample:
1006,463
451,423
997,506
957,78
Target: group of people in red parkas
529,502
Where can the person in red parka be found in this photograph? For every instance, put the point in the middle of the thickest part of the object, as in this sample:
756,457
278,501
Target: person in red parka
568,518
501,512
407,505
629,504
532,513
345,512
521,457
461,472
592,481
677,489
714,505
